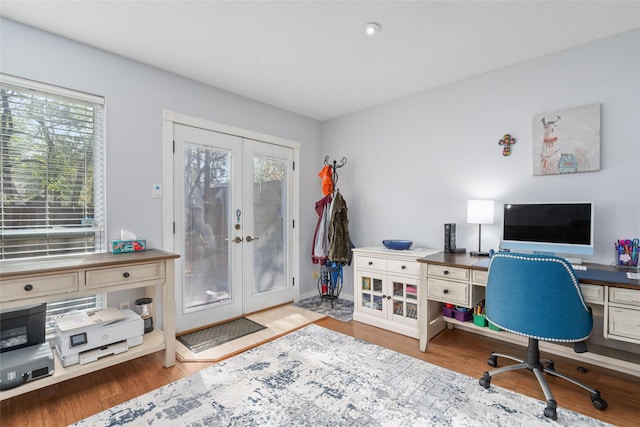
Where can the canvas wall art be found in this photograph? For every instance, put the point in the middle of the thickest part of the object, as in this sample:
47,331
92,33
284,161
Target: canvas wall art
567,141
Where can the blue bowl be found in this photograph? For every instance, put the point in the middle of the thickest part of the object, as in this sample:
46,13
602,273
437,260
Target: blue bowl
397,244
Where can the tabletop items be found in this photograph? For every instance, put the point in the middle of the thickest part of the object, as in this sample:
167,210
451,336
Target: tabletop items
627,252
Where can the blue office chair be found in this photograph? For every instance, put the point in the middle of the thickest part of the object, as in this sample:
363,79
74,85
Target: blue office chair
539,297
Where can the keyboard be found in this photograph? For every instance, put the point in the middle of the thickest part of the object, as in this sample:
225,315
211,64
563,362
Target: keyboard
579,267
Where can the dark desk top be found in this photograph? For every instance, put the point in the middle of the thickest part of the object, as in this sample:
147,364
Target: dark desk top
596,274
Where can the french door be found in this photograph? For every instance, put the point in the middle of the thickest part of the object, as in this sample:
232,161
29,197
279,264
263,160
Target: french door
233,225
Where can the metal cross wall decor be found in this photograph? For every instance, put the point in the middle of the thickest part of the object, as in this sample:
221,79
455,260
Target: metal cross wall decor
507,142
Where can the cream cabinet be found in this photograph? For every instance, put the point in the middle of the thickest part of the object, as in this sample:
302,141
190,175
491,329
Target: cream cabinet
622,315
387,288
28,282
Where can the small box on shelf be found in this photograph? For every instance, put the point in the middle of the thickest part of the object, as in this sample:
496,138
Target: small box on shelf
463,316
447,311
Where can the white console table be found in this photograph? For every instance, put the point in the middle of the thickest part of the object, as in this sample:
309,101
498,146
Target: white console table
34,281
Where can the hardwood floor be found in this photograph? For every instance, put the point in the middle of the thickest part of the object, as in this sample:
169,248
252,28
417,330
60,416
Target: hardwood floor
464,352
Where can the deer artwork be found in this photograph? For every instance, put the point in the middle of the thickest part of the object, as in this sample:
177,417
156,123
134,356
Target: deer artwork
550,153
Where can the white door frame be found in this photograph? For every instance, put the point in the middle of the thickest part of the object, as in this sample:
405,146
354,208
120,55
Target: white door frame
169,118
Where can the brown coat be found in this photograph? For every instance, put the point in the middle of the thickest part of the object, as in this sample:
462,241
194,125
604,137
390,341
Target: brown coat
339,242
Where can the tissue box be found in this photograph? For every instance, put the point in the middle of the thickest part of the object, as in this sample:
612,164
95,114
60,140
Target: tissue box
124,246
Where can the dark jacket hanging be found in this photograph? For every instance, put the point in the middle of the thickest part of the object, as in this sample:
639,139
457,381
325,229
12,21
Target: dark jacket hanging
339,243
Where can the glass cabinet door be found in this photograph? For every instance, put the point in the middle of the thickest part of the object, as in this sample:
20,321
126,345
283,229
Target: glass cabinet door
371,294
404,299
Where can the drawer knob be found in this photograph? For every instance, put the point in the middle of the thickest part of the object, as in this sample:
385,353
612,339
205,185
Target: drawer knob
404,267
125,275
446,272
446,291
370,262
28,288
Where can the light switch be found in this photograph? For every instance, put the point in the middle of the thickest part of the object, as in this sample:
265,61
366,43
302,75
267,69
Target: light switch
157,191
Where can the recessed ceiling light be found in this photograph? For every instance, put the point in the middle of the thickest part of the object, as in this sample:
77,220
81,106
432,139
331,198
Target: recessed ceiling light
370,28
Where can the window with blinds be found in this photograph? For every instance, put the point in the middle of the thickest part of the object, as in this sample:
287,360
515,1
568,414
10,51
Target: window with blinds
52,168
51,177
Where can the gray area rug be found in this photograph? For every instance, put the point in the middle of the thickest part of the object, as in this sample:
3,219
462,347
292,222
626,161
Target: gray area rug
317,377
342,309
207,338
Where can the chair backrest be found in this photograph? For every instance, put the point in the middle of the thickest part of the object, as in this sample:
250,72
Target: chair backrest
537,296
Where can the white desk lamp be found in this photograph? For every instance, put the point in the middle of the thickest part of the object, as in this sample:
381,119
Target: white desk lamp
479,212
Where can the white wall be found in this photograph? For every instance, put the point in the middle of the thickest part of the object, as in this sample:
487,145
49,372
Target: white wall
414,163
135,96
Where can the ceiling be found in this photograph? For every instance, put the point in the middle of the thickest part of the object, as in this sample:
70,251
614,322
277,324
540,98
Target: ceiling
311,57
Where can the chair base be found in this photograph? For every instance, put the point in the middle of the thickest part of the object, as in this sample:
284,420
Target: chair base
537,366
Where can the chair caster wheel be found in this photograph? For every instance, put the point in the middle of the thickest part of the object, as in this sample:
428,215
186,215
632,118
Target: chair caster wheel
549,364
492,361
551,413
550,410
598,402
485,381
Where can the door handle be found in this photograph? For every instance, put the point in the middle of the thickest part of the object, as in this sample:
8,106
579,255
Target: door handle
249,238
238,240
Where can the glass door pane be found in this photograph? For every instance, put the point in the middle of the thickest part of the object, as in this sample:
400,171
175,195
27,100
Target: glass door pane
206,225
269,213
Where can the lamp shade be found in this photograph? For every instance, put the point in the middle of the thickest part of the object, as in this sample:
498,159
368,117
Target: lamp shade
480,211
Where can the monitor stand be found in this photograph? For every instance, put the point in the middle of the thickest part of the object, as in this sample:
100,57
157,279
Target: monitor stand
574,261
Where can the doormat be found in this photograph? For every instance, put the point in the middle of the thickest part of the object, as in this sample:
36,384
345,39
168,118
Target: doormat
205,339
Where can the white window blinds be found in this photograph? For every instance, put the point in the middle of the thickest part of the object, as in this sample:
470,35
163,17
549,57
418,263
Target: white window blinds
52,169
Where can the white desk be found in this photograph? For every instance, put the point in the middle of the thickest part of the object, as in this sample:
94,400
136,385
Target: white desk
27,282
454,279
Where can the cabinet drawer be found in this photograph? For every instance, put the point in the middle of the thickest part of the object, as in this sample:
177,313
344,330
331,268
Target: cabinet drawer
624,296
404,267
15,289
372,263
624,322
126,274
593,293
479,277
448,272
447,291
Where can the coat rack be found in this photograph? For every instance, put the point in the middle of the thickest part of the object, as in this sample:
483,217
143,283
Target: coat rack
330,279
334,166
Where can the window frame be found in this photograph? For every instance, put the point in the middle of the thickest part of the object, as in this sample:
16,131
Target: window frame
98,224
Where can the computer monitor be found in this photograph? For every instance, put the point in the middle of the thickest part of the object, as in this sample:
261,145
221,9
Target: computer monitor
557,228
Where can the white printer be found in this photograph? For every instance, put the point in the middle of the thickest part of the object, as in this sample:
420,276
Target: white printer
86,337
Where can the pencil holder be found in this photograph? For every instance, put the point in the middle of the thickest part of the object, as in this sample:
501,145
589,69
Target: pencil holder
493,327
627,253
480,320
